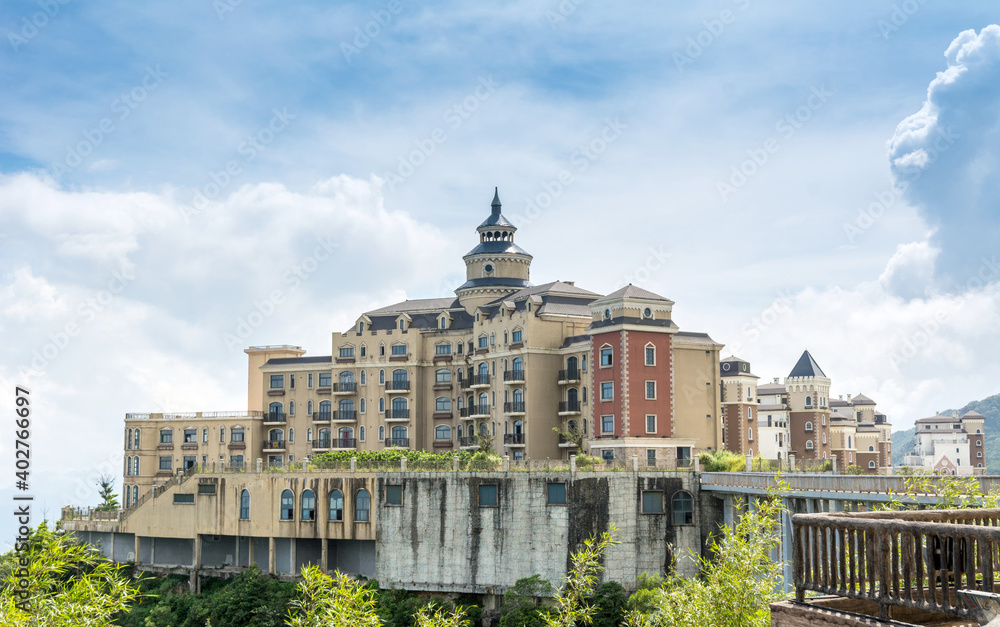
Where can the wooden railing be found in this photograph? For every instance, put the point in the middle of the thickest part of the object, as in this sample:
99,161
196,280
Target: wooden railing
914,559
815,482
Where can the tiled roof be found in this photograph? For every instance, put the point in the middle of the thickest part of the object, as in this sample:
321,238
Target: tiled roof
861,399
291,361
807,367
422,304
631,291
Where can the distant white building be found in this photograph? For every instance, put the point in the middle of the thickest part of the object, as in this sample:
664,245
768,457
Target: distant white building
772,420
951,444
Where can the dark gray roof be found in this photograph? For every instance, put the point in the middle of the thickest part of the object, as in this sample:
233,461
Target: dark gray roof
807,367
291,361
575,339
496,218
690,336
770,388
498,281
497,248
939,418
423,304
861,399
553,287
836,402
631,291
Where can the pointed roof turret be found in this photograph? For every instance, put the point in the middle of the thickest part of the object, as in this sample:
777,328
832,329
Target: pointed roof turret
496,201
807,367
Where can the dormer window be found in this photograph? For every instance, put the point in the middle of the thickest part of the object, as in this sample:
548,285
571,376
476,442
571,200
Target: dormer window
361,327
402,325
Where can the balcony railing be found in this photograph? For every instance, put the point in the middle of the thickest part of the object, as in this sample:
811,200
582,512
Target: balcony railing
397,442
464,383
468,441
479,410
569,376
569,407
343,443
397,386
322,416
274,445
479,380
914,559
516,407
514,376
323,443
397,414
274,416
345,387
513,439
566,442
345,416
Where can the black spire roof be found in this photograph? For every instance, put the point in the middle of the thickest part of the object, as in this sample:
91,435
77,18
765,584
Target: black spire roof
806,367
496,218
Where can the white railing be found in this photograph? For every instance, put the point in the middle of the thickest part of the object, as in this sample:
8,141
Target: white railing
190,415
810,482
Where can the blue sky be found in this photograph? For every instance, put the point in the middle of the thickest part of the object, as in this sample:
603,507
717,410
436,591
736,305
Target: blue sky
852,230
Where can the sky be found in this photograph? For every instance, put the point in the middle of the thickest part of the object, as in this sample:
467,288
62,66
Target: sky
181,180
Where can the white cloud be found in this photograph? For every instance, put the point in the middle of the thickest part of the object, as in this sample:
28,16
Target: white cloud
910,270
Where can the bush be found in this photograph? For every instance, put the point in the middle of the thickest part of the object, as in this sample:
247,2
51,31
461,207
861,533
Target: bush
722,461
520,603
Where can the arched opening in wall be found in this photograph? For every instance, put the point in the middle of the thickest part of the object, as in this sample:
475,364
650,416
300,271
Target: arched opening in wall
336,506
308,505
287,505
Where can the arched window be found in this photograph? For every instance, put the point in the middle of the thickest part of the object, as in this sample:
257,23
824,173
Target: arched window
381,405
128,441
442,403
518,427
245,505
362,504
849,442
135,494
275,411
824,438
484,372
484,402
399,376
809,426
871,449
135,466
361,326
364,352
518,398
128,493
287,505
309,434
871,464
682,508
128,466
381,433
308,505
442,376
346,434
362,433
398,433
276,436
517,365
323,439
459,432
345,409
136,443
291,435
362,406
325,410
809,401
442,432
381,373
364,373
399,405
336,506
309,408
809,445
483,430
750,413
750,434
572,399
346,380
381,350
572,371
291,412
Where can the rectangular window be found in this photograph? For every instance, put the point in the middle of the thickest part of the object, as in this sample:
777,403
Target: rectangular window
204,435
310,380
325,379
394,495
399,349
608,454
605,357
236,461
650,390
442,349
516,336
277,381
650,424
484,342
206,488
607,424
190,461
236,435
651,457
346,352
652,502
650,356
583,362
222,435
518,455
184,498
488,495
190,436
291,381
556,494
166,463
607,390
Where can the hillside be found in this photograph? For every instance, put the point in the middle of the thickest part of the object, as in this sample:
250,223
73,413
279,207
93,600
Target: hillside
902,441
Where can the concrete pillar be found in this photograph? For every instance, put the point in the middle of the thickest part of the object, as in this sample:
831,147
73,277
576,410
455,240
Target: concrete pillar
152,550
750,462
791,462
196,566
354,464
695,464
291,555
506,463
112,546
635,463
136,549
250,556
402,464
454,464
728,511
572,464
834,465
272,560
324,554
260,464
786,547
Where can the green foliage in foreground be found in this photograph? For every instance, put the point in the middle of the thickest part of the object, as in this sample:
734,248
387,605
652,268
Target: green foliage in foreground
394,456
722,461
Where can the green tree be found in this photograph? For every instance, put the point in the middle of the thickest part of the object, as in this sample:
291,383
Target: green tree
109,500
62,583
571,605
521,603
609,602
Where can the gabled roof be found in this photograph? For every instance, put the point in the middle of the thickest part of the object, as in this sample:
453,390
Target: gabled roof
972,414
861,399
770,388
807,367
553,287
422,304
631,291
938,418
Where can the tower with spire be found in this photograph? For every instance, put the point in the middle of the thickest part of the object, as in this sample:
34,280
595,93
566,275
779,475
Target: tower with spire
497,266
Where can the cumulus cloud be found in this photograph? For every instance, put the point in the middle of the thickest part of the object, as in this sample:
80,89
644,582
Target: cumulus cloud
910,270
946,158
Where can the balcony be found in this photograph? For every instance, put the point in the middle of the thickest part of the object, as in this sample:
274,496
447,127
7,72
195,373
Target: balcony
276,392
513,377
397,442
443,385
565,442
189,446
479,381
321,445
464,383
566,377
399,357
321,416
479,411
397,387
343,444
515,440
345,388
469,442
344,416
513,409
909,565
325,386
569,408
442,357
274,446
274,418
397,415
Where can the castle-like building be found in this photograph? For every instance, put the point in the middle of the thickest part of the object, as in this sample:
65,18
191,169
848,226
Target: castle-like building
949,444
798,418
529,371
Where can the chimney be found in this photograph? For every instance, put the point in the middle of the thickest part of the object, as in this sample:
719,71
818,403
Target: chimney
840,396
848,397
776,380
